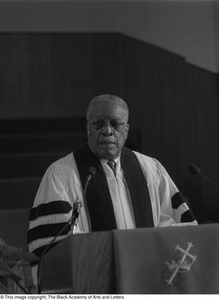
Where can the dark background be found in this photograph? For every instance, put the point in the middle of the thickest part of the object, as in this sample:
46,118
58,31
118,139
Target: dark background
50,77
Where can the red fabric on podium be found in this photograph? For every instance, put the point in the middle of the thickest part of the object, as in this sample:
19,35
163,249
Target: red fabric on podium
171,260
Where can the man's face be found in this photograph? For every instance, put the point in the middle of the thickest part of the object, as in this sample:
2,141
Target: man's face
107,130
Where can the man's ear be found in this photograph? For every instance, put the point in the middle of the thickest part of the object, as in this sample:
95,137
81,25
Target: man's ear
127,130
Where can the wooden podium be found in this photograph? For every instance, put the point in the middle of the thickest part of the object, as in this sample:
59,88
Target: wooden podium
80,264
170,260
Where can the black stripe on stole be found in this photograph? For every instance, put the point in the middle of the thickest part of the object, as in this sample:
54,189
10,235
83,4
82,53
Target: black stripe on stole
99,202
47,230
138,189
177,200
51,208
188,216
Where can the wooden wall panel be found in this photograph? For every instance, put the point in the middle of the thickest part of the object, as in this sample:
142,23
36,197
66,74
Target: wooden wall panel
44,75
175,104
203,143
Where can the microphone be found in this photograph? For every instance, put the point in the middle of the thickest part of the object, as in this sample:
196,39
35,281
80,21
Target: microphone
196,171
75,215
91,171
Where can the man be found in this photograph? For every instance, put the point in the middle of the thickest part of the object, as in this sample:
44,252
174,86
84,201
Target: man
135,192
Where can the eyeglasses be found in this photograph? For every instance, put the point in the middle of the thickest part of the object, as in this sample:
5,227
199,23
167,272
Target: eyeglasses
100,123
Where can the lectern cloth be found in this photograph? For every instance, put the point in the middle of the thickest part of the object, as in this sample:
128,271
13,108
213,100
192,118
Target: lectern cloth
146,260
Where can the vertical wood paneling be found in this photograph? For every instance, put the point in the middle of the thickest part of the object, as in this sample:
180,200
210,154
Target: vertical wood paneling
203,124
175,104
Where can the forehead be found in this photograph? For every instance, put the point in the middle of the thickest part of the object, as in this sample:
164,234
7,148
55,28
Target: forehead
108,110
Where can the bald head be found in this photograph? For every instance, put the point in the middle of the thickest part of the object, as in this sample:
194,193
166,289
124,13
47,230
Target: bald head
101,99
